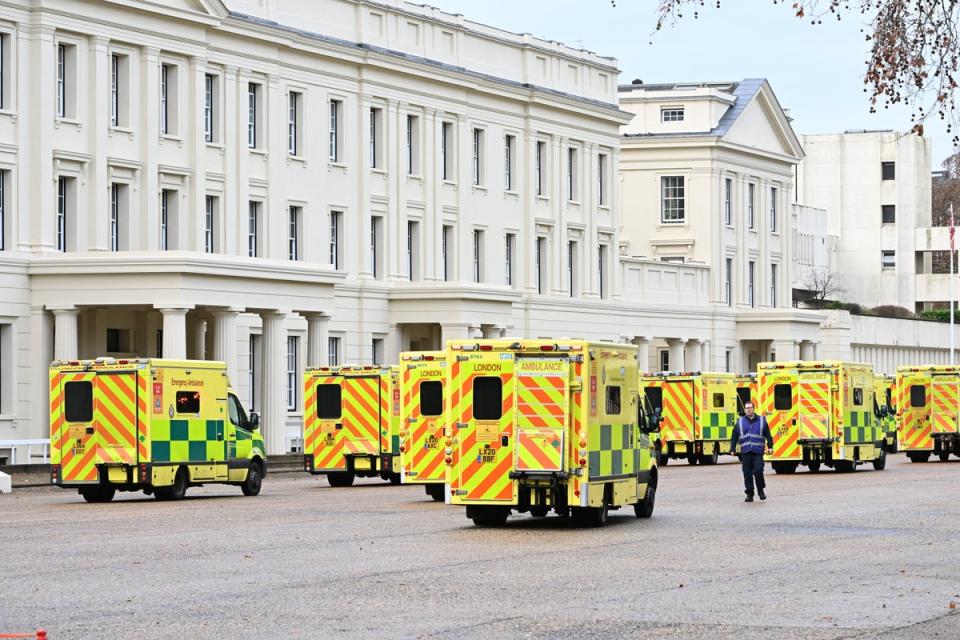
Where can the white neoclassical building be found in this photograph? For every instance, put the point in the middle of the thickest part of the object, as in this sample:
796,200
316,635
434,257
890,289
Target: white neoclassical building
286,183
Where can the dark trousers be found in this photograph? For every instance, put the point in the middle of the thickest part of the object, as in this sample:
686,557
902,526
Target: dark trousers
752,464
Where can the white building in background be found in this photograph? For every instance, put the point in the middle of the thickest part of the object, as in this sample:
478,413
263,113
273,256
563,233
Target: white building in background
876,189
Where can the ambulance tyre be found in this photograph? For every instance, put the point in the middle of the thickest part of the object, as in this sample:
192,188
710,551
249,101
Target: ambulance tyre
644,508
177,490
663,459
251,486
393,478
539,511
98,493
784,467
944,456
710,458
340,478
880,463
591,516
845,466
488,516
435,491
692,458
918,456
813,466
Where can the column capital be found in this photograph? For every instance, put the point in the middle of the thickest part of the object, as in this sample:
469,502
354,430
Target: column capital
64,310
172,309
315,315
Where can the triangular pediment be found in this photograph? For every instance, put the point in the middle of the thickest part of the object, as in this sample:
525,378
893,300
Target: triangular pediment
212,8
764,126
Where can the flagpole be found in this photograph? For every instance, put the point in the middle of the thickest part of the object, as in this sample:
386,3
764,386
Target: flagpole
952,278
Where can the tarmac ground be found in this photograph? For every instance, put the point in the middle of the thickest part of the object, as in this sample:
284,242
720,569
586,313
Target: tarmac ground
828,555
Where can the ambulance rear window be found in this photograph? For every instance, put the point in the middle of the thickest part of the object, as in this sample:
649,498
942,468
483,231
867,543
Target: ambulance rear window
487,398
431,398
654,397
613,401
718,401
782,397
188,402
78,401
918,396
328,401
858,396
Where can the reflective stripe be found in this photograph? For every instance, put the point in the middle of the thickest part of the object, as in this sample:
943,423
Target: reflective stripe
751,435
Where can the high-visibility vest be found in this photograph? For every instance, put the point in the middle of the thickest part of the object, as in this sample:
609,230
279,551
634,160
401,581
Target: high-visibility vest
751,434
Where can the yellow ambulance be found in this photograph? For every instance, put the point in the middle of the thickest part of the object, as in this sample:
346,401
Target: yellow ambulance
928,411
151,425
422,424
351,418
884,389
540,425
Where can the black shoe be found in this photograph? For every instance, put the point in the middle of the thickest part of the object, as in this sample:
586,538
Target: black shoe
762,495
749,498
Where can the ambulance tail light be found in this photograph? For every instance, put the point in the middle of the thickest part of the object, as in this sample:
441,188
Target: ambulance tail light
54,473
486,347
548,347
428,358
448,460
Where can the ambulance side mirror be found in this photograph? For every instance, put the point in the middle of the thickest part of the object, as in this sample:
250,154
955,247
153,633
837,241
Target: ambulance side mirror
254,420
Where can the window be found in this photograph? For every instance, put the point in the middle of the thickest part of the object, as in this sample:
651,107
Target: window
751,273
119,90
168,220
294,224
508,253
376,225
751,195
4,176
63,203
294,128
540,167
888,259
477,157
672,200
293,344
252,370
336,218
773,209
376,349
329,401
728,363
119,340
235,413
613,405
858,396
66,80
446,244
413,250
728,281
654,395
671,114
431,398
477,255
253,115
169,91
728,201
718,400
446,150
888,213
918,396
509,144
573,279
78,401
665,360
602,271
254,221
487,398
210,107
118,217
4,73
209,224
413,145
158,343
773,285
333,351
888,171
188,402
602,197
541,266
782,397
336,115
376,124
572,167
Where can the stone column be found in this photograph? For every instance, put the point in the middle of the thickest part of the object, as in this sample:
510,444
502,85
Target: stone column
807,350
65,335
453,332
273,399
317,338
199,341
225,339
392,344
174,332
676,346
475,331
643,352
693,355
492,331
785,350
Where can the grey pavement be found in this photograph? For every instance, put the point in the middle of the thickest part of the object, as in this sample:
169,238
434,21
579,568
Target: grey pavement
862,555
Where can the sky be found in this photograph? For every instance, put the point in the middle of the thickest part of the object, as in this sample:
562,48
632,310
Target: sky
815,71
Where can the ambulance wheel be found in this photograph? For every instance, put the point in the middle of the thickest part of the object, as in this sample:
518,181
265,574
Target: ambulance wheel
880,463
178,490
813,466
489,516
435,491
918,456
251,486
98,493
710,458
644,508
539,511
784,467
845,466
944,456
393,478
663,459
692,458
340,478
591,516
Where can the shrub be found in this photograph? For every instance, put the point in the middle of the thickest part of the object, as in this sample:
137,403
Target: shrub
892,311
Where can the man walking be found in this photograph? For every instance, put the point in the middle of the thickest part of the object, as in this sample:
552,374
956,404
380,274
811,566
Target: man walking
751,433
